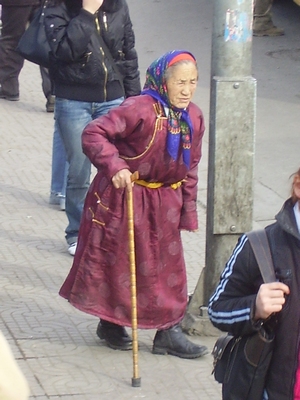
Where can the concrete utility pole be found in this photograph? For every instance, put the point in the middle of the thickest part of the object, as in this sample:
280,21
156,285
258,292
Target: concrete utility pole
231,140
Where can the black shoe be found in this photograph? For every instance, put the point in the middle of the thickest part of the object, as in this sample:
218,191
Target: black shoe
115,336
10,97
50,103
173,341
273,31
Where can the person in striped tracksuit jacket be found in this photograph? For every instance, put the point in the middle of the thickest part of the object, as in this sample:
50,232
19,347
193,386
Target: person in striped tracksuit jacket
241,299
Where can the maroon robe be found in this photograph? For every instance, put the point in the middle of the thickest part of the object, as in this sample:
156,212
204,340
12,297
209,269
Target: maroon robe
134,136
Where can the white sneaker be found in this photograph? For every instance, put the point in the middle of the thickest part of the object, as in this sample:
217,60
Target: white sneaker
72,248
58,199
62,203
54,198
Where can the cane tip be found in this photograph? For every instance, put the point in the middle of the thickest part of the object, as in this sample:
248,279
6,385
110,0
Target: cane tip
135,382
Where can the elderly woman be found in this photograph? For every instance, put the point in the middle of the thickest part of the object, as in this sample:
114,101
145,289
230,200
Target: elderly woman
242,301
159,134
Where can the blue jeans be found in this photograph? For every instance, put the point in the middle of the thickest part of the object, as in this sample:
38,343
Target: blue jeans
59,164
72,117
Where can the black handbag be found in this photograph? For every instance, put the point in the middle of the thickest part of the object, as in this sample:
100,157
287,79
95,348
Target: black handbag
241,363
33,45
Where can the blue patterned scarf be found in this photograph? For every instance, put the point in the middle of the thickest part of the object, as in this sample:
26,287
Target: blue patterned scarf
180,127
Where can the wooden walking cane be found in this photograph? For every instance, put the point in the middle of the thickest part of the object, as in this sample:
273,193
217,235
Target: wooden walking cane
136,380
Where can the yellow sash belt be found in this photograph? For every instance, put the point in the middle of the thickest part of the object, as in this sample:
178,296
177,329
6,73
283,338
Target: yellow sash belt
156,185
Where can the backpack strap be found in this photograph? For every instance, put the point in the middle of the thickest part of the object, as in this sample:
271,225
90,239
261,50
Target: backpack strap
260,245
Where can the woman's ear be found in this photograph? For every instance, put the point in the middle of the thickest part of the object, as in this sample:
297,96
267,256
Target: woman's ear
296,188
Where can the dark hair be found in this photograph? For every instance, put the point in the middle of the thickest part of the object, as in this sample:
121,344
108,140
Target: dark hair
54,2
74,6
296,176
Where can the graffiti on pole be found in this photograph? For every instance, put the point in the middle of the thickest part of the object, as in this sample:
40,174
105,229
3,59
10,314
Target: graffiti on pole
238,27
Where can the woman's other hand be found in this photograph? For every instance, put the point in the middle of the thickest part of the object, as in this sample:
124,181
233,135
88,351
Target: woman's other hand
92,5
122,179
270,299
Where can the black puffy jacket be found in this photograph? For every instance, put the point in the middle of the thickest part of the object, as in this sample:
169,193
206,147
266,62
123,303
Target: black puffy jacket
79,68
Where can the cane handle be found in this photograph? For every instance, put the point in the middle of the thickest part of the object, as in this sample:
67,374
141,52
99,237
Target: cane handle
134,176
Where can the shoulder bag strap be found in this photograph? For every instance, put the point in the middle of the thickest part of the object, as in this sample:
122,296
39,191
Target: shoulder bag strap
260,245
111,60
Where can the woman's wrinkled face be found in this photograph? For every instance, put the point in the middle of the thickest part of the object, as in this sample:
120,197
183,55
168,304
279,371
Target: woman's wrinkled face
181,84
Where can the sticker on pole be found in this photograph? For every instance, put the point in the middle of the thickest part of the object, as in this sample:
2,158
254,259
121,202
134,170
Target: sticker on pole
237,27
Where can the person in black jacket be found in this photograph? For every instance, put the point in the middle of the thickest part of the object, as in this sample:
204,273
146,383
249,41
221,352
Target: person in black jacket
15,16
86,84
242,301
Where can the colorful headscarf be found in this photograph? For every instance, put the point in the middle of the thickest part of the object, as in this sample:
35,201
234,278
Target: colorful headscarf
180,127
